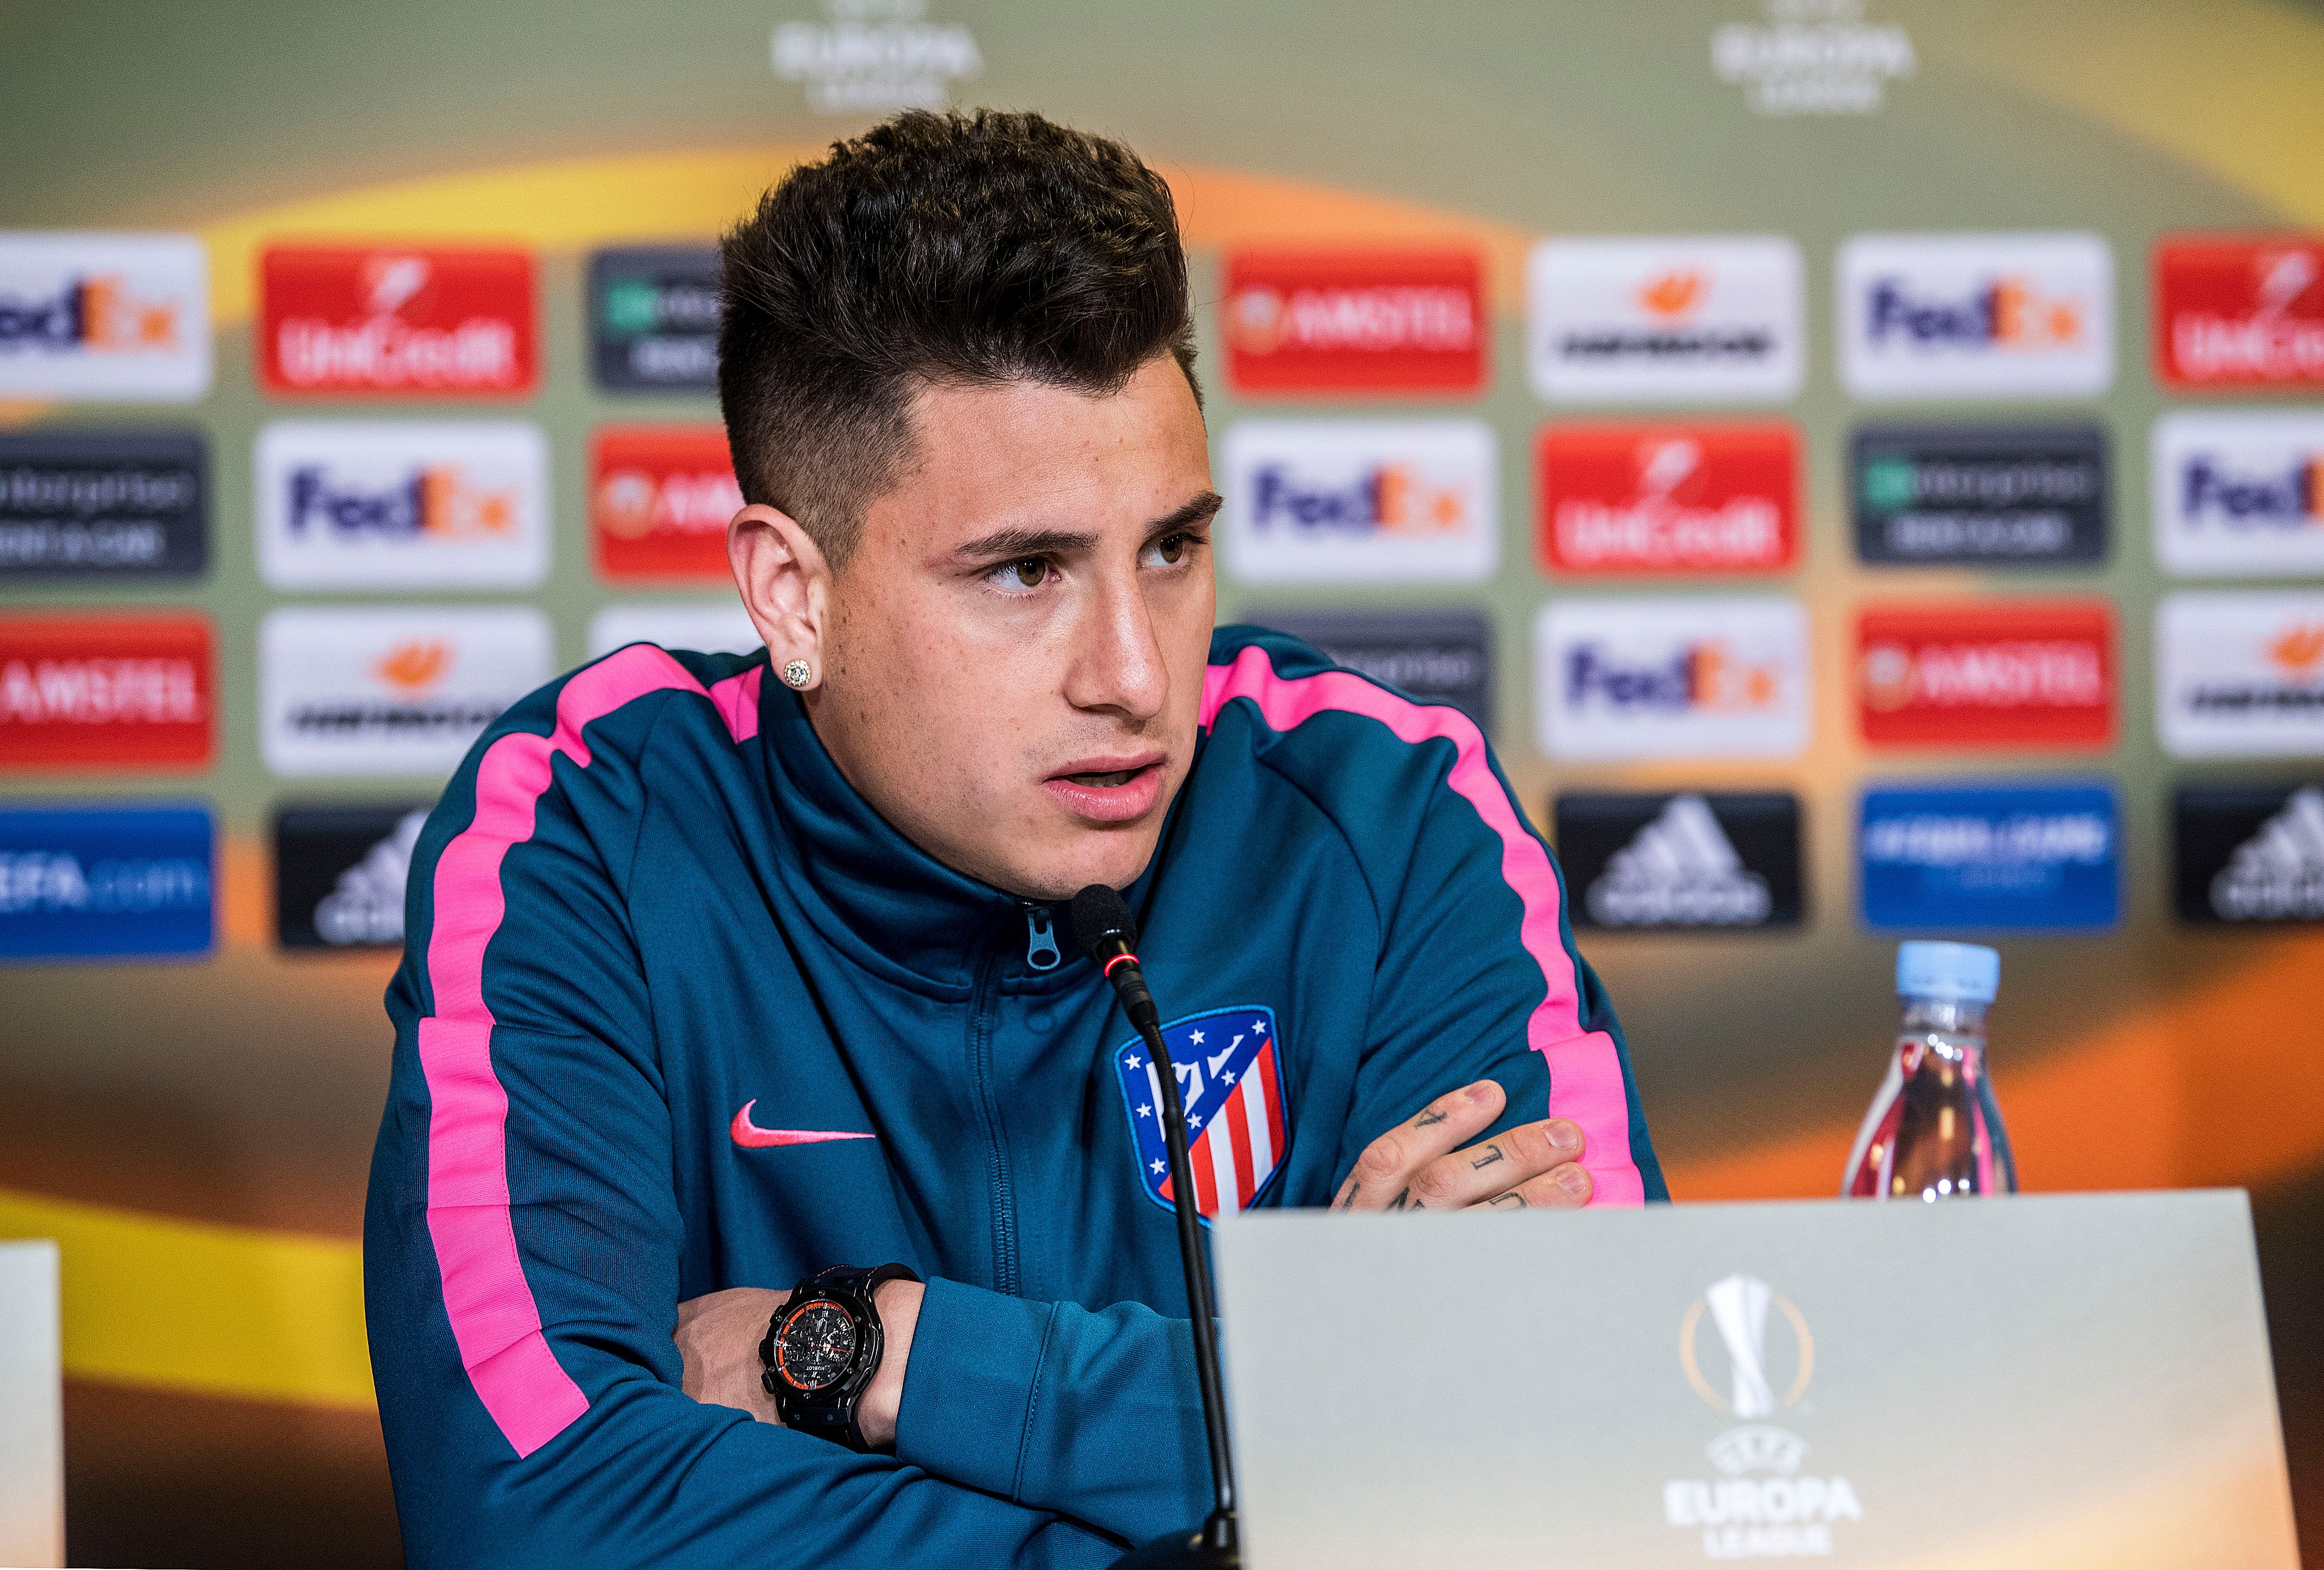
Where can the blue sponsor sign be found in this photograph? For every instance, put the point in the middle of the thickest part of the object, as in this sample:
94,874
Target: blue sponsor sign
2044,856
97,883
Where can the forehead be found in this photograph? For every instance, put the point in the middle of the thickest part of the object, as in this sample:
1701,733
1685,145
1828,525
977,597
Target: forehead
1028,453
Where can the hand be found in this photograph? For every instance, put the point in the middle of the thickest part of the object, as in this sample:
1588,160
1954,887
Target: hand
718,1336
1414,1167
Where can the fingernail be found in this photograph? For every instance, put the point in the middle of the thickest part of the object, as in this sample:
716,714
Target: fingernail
1564,1136
1573,1180
1482,1090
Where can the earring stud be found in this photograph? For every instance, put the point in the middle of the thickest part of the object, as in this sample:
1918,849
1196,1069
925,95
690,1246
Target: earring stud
797,673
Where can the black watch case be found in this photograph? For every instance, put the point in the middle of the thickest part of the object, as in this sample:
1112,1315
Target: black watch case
822,1348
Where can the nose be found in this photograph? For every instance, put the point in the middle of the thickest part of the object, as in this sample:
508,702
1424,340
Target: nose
1117,664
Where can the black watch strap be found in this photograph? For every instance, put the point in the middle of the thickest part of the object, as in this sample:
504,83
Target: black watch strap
830,1411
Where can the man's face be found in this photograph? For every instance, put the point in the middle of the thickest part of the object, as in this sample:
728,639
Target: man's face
1013,656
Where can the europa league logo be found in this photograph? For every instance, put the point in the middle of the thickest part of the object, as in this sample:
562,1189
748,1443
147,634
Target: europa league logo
1738,1306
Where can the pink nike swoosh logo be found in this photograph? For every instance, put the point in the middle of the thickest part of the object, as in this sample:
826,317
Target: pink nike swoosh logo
751,1137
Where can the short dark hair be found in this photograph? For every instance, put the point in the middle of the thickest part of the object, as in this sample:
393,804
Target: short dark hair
932,250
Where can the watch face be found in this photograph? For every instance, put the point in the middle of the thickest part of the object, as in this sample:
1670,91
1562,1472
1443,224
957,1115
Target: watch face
816,1347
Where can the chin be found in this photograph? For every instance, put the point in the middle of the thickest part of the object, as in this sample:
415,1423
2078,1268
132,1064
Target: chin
1113,857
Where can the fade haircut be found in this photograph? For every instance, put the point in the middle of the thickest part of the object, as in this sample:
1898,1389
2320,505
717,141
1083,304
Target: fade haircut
935,250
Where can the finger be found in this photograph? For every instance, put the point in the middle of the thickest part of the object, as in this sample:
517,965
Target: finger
1565,1188
1382,1177
1494,1166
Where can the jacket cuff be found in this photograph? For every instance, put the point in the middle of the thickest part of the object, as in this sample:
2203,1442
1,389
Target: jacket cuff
969,1388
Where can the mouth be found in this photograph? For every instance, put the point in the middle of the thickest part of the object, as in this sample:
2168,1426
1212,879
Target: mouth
1109,790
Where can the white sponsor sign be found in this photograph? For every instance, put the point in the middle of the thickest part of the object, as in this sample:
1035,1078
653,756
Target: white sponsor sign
1690,318
2240,674
382,504
706,626
363,690
1361,501
1977,316
1618,679
104,316
2240,492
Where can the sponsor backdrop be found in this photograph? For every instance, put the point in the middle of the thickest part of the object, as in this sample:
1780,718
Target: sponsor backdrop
1860,458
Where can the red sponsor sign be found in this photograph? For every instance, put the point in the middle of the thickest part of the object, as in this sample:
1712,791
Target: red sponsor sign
396,321
1354,321
107,691
660,500
2239,312
1981,674
1667,498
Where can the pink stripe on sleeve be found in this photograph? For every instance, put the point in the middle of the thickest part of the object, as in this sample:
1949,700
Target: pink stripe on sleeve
494,1320
1585,1072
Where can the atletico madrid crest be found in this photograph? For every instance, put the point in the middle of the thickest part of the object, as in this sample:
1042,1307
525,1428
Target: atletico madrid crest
1231,1077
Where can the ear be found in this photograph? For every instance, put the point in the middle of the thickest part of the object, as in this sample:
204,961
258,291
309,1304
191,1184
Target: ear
785,585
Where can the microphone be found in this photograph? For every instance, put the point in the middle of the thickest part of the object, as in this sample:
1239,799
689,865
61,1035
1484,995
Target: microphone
1104,929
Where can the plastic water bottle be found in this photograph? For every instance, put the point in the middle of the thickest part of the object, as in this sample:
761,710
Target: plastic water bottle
1934,1131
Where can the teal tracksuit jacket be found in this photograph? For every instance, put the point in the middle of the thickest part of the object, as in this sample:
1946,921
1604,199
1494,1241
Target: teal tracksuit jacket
659,955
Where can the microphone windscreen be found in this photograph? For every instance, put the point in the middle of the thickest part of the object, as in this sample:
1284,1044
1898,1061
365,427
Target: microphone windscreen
1097,916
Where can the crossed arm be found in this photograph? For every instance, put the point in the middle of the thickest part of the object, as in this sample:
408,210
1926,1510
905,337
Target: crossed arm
1421,1164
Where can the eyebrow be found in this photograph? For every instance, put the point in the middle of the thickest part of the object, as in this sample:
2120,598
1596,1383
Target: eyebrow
1009,544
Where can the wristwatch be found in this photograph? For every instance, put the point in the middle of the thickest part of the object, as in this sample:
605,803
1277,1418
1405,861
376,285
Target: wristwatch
822,1348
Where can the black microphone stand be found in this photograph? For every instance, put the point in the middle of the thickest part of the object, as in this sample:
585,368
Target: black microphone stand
1104,929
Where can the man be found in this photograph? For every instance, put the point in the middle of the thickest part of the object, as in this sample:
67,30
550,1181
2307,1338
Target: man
721,971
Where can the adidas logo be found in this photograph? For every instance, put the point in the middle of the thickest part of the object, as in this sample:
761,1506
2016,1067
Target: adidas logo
366,905
1679,870
2277,874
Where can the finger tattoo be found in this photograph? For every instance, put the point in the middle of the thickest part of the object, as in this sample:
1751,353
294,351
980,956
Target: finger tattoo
1492,1153
1347,1196
1405,1201
1428,1119
1512,1201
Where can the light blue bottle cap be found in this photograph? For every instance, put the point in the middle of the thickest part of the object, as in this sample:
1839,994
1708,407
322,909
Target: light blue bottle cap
1947,972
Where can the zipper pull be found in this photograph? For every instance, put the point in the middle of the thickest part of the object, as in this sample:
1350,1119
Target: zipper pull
1040,938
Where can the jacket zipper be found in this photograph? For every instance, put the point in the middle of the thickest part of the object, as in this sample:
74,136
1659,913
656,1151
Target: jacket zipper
1040,938
1004,1194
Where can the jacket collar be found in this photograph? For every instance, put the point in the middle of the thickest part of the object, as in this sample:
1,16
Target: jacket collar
908,914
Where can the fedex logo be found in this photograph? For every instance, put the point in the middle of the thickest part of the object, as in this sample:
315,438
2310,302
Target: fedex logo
1354,321
1677,318
1667,498
2239,493
342,321
104,316
659,499
1361,501
2028,674
396,504
1968,315
2237,312
107,691
1630,679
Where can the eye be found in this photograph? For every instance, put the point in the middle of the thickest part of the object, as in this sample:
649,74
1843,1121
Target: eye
1026,572
1172,550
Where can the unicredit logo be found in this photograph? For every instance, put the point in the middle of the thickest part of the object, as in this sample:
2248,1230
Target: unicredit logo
1667,498
2239,312
397,321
